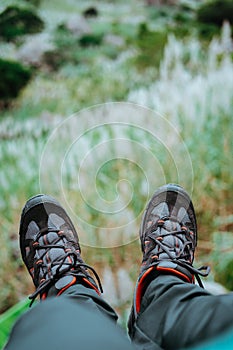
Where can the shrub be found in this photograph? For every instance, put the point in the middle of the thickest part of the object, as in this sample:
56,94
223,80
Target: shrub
207,31
91,12
34,2
216,12
14,77
90,40
16,21
151,45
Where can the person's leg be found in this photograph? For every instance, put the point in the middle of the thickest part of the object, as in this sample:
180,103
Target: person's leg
72,312
63,323
176,314
169,310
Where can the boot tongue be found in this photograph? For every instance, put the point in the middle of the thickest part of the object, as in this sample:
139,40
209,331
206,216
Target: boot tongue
61,285
63,282
170,226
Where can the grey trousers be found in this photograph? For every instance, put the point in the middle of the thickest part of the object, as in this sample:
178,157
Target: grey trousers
173,315
78,319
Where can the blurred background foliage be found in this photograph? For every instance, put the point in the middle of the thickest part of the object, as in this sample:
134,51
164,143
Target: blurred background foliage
58,57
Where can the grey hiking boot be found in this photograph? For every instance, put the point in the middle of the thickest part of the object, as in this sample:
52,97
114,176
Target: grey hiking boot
168,235
50,248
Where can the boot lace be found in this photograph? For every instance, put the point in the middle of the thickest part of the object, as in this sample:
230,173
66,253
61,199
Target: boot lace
68,260
158,241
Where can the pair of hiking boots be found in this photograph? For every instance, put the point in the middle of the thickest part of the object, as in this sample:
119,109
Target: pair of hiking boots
51,252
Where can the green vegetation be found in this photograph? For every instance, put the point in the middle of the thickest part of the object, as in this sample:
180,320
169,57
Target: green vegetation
216,12
17,21
153,57
151,45
14,77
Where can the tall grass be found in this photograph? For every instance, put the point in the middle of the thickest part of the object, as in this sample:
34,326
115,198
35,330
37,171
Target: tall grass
194,91
104,162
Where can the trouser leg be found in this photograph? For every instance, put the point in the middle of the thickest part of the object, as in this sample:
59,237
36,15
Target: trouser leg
78,319
175,314
88,296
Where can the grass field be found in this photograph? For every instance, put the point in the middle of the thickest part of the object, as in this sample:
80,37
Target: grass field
101,133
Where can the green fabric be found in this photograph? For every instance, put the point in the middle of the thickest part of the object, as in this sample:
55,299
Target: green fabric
8,318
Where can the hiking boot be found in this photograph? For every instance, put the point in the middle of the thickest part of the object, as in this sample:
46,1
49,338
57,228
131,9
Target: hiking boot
168,235
50,248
